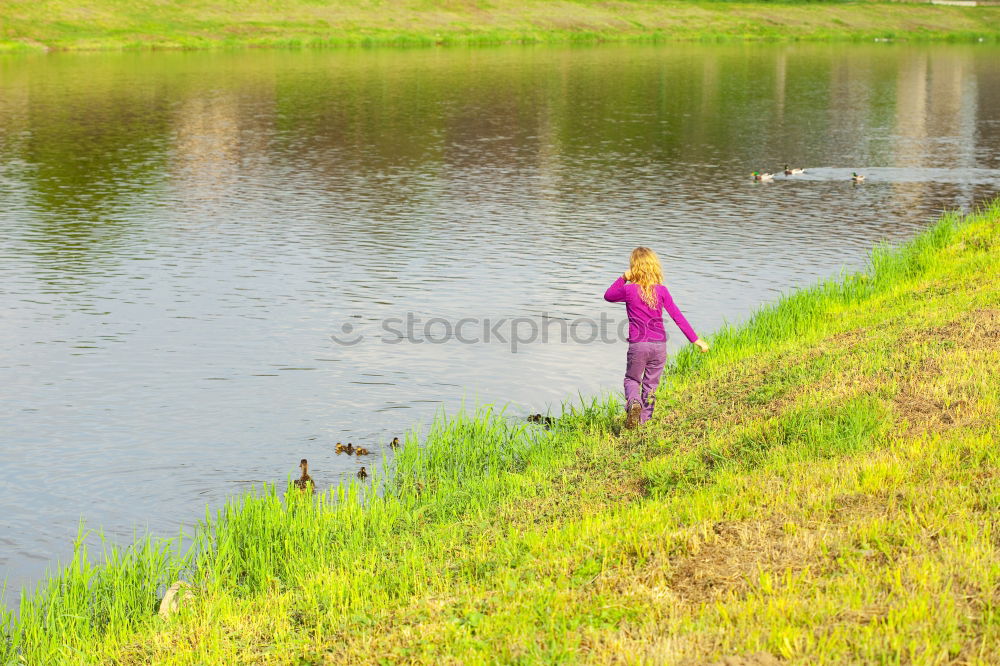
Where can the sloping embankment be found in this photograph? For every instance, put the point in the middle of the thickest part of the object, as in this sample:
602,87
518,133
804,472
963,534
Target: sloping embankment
824,486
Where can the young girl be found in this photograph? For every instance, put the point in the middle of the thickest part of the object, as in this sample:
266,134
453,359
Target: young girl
642,290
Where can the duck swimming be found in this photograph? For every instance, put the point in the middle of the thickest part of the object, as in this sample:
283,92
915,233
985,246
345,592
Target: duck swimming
857,178
305,481
362,474
360,451
349,449
757,175
340,448
394,443
793,172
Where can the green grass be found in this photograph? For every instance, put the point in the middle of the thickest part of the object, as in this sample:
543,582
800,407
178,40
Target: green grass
191,24
822,487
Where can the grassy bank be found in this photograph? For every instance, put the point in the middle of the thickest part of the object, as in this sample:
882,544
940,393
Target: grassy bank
823,487
135,24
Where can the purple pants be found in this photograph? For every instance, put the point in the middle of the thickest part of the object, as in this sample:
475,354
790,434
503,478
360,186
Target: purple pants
643,367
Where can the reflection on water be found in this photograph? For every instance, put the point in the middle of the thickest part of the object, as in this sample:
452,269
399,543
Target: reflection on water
183,234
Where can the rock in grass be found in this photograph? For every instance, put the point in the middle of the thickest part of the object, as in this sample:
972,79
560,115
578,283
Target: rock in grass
176,593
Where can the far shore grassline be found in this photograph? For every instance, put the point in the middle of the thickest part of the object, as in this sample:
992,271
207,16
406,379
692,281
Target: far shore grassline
44,25
822,487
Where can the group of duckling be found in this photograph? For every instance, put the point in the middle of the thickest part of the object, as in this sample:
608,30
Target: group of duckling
351,450
306,483
789,171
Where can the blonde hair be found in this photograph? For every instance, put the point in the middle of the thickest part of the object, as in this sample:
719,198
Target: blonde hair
644,270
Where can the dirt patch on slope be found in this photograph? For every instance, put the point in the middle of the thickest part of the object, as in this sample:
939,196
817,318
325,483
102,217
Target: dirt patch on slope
915,402
739,553
977,329
757,659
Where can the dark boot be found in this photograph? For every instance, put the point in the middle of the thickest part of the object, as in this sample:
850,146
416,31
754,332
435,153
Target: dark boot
632,415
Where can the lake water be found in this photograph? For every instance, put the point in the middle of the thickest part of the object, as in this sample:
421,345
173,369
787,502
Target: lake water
185,237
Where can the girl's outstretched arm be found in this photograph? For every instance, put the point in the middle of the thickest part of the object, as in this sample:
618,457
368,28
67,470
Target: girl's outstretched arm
676,315
616,292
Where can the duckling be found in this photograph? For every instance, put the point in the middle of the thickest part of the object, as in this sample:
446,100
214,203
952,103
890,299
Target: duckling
793,172
340,448
546,421
362,474
360,451
305,481
394,443
349,449
757,175
857,178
